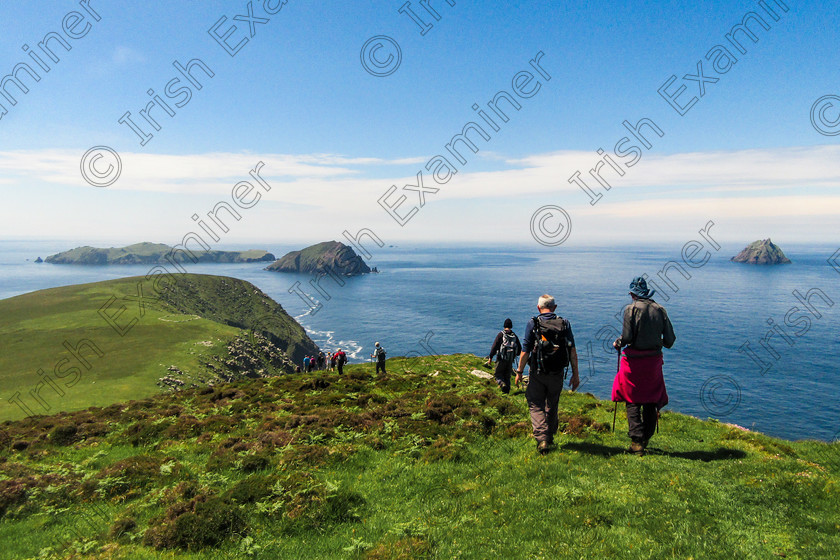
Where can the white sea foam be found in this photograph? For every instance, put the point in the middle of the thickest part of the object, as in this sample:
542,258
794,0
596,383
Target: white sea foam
327,342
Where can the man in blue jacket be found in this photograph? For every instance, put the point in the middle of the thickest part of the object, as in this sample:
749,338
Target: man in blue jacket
547,366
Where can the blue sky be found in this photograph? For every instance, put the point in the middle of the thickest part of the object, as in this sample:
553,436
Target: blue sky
334,138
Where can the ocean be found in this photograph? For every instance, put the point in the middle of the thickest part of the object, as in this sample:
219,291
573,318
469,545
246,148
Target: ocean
433,300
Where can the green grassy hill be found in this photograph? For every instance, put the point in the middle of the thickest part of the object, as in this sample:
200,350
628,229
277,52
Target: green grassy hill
184,335
429,461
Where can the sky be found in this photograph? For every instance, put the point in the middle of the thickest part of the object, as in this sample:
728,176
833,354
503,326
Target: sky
326,117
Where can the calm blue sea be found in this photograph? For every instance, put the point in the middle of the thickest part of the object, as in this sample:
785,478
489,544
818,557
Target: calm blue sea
447,300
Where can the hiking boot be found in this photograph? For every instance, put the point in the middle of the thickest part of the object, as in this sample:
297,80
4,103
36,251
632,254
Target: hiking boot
636,448
542,447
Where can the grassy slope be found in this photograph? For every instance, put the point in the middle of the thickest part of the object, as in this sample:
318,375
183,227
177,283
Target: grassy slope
429,461
195,310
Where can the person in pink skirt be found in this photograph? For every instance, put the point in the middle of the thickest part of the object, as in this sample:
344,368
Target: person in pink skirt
639,381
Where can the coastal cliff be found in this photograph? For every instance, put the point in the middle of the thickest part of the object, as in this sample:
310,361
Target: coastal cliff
151,253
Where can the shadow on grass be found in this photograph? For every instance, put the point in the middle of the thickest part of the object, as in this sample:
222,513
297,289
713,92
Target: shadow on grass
720,454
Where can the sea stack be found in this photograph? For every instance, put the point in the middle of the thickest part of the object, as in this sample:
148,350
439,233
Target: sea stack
761,252
329,257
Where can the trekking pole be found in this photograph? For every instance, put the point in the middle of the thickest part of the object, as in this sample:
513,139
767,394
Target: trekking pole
617,368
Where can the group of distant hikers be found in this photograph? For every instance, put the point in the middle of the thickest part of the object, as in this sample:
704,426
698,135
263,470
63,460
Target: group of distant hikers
549,349
336,360
328,362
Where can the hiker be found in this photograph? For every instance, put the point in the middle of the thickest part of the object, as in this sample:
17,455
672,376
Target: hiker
379,355
332,361
306,364
550,346
639,381
340,360
508,347
322,361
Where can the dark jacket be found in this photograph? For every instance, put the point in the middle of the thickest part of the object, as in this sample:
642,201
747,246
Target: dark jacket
646,327
497,345
530,338
379,354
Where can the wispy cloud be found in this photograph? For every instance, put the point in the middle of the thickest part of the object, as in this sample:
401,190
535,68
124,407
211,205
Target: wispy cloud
775,182
123,55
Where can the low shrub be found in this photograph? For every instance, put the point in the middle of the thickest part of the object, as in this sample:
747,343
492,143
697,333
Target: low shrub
64,434
121,528
206,521
254,463
252,489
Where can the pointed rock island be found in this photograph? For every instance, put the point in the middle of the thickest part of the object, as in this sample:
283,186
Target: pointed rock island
151,253
761,252
329,257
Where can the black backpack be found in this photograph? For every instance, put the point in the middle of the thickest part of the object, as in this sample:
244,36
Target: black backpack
550,355
507,351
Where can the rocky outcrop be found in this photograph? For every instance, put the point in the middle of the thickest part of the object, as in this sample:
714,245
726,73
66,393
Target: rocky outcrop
153,253
761,252
329,257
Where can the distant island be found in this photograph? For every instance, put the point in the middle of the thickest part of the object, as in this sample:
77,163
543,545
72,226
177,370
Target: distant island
329,257
151,253
761,252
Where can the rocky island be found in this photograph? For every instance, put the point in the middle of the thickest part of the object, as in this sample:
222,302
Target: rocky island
329,257
761,252
151,253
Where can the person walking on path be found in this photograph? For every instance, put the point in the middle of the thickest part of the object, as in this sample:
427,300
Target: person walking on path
379,355
549,349
508,347
639,382
340,360
306,364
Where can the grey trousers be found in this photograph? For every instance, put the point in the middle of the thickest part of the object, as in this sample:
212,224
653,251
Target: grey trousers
641,421
543,394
